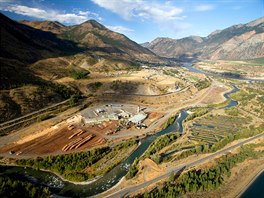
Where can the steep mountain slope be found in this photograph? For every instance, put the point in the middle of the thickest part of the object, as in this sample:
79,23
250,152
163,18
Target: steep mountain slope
21,90
34,55
96,38
48,26
27,44
168,47
241,41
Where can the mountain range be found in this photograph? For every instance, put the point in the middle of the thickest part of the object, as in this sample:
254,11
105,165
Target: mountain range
35,54
92,36
243,41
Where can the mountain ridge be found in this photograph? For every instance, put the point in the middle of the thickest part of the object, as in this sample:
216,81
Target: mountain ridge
241,41
96,37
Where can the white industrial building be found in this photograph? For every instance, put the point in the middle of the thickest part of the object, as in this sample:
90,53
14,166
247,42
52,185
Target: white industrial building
138,118
100,119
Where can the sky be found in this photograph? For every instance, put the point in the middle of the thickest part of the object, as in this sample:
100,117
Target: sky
141,20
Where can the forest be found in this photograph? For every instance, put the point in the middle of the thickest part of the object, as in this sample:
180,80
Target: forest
13,188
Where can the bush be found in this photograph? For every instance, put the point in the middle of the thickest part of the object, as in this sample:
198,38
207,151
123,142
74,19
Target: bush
74,100
133,169
202,84
169,122
160,143
94,86
197,112
80,75
45,117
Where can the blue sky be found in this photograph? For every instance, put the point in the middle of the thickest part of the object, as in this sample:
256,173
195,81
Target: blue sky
141,20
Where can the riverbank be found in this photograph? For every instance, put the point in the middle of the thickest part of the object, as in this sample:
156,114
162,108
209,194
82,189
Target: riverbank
57,175
250,183
241,177
11,163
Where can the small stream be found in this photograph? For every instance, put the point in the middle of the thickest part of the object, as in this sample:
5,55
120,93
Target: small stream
232,102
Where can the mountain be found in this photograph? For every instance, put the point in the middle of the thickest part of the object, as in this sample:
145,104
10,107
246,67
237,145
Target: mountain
35,54
96,38
48,26
26,44
168,47
243,41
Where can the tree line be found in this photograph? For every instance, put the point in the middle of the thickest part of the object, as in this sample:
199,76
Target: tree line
72,166
152,152
10,187
202,179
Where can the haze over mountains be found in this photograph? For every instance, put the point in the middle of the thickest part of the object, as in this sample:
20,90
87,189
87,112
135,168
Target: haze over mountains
243,41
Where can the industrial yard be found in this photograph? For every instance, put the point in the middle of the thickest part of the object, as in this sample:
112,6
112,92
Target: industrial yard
89,128
115,114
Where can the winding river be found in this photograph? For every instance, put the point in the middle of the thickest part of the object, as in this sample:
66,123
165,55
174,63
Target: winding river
104,183
64,188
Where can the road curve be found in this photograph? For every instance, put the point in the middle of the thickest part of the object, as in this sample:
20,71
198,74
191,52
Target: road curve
133,189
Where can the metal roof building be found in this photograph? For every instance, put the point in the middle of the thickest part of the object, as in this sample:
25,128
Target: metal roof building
138,118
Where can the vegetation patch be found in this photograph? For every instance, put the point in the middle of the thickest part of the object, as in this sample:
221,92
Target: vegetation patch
169,122
133,169
197,112
233,111
152,152
202,84
203,179
44,117
94,86
11,187
160,143
82,166
80,75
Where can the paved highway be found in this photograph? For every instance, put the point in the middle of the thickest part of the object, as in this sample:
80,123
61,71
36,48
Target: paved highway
127,191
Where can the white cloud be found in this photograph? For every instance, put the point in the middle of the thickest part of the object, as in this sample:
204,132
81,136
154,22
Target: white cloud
204,7
120,29
165,15
48,14
6,1
91,14
145,10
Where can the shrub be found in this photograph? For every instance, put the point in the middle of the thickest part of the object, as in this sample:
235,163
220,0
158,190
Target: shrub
80,75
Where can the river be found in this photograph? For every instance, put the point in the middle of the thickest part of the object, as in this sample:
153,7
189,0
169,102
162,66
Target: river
67,189
230,75
256,188
104,183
